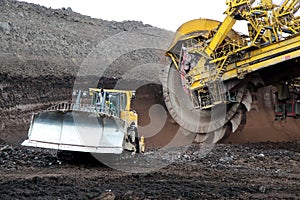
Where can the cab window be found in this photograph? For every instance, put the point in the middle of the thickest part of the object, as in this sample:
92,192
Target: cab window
123,101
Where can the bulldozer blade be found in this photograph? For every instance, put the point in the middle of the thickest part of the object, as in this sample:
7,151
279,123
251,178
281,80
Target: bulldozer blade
76,131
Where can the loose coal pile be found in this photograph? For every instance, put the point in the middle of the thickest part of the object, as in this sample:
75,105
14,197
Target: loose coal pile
260,171
17,158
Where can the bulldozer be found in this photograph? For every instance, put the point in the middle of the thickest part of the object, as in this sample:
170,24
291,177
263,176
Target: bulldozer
100,121
218,76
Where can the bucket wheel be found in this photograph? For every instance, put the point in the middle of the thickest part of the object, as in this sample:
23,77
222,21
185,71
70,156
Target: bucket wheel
211,125
219,120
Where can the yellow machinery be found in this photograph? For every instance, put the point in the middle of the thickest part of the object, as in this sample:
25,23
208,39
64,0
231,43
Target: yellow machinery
212,65
100,121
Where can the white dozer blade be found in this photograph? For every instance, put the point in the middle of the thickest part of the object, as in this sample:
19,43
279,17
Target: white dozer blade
76,131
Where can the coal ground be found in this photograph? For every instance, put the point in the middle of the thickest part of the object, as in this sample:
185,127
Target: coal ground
248,171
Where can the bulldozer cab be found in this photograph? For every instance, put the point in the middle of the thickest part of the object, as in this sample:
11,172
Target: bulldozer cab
107,102
114,102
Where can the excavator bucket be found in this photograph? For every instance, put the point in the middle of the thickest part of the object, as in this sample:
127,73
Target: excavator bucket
82,131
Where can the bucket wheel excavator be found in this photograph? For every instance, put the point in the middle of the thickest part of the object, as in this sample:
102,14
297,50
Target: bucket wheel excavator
216,72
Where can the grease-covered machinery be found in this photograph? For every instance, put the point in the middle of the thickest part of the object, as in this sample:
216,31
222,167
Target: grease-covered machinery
216,70
100,121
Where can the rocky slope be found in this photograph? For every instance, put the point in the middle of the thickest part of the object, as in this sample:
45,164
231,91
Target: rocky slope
41,53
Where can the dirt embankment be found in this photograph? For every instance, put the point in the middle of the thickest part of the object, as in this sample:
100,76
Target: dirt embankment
41,53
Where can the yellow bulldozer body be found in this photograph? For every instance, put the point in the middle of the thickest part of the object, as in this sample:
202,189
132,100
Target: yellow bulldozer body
104,125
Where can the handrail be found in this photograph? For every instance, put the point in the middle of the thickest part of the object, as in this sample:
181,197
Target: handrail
68,107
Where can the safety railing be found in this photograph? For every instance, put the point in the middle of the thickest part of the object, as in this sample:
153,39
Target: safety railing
68,107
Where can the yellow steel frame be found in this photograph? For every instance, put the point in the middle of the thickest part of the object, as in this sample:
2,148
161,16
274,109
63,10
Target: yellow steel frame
267,23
